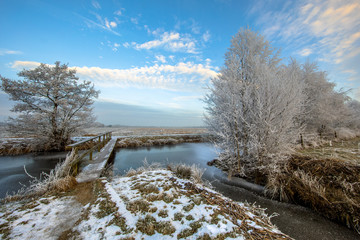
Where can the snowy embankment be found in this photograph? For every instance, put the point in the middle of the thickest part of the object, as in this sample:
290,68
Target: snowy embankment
151,204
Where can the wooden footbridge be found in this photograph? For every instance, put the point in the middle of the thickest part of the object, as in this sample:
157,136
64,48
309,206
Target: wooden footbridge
90,168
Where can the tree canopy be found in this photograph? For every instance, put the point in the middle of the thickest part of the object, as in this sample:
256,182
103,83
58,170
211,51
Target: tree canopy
52,104
257,106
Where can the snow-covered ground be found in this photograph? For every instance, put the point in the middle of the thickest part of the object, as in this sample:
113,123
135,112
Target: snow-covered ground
153,204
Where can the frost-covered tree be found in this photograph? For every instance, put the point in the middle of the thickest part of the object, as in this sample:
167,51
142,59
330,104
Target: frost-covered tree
353,107
324,107
254,104
51,102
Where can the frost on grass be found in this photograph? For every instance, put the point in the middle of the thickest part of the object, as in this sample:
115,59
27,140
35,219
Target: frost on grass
59,179
156,204
47,218
148,204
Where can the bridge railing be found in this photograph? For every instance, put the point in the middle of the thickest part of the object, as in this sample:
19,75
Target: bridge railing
102,140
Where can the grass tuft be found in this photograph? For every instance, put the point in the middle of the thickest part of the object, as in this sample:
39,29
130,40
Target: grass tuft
58,180
184,171
149,225
138,205
327,185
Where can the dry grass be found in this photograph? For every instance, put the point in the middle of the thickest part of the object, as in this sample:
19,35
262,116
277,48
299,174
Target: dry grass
58,180
148,141
184,171
329,186
345,150
128,131
151,137
16,146
146,167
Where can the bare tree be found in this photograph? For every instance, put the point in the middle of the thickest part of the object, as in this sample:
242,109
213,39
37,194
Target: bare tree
52,104
254,104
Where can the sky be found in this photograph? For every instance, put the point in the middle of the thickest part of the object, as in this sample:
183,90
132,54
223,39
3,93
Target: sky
153,60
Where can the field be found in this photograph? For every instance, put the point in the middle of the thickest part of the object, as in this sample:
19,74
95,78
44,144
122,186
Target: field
143,131
343,150
135,137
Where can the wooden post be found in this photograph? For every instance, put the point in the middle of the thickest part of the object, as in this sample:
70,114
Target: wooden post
301,140
75,167
90,155
99,147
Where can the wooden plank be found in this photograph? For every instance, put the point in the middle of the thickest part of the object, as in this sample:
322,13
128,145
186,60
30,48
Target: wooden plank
86,140
93,170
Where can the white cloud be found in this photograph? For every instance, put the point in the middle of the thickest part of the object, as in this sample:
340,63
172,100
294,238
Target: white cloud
120,12
134,20
24,64
305,52
328,29
195,28
158,31
187,98
113,24
9,52
182,76
110,24
206,36
96,4
170,41
350,71
189,24
160,58
107,24
102,23
114,46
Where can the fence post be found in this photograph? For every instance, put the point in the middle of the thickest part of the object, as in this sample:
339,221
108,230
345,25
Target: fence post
301,140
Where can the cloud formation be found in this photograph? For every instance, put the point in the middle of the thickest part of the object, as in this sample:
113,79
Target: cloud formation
182,76
160,58
101,23
96,4
206,36
170,41
9,52
329,29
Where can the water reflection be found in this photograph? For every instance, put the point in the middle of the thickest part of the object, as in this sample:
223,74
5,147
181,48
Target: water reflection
186,153
12,173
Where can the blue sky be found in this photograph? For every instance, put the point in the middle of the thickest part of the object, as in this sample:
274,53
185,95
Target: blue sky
152,60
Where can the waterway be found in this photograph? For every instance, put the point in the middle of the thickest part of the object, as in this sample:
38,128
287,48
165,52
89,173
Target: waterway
12,173
296,221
